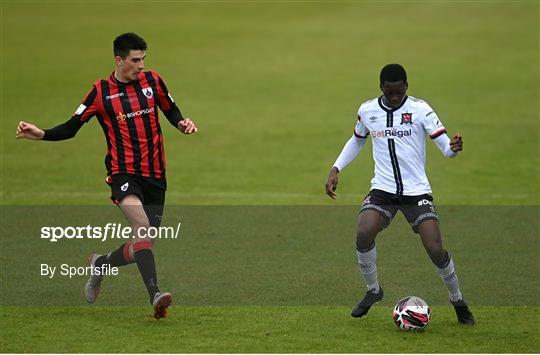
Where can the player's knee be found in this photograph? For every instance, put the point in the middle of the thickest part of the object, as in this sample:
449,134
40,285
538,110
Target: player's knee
434,246
365,233
155,221
365,237
438,256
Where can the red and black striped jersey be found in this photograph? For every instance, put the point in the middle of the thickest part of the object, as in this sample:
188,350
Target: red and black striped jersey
128,115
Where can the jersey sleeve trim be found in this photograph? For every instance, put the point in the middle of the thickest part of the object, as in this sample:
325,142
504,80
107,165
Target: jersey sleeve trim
438,133
359,135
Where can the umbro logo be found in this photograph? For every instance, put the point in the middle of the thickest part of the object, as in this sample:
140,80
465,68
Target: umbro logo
373,118
124,187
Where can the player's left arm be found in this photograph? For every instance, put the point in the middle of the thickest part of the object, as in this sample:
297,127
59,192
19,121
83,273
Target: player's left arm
449,147
171,110
437,132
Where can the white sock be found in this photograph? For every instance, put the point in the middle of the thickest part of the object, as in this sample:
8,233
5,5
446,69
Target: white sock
450,279
367,264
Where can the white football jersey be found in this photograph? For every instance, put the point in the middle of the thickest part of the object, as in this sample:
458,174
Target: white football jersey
399,143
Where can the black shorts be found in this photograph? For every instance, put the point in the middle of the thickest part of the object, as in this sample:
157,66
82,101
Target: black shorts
150,191
416,209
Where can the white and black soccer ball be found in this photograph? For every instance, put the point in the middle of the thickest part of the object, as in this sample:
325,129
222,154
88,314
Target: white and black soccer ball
411,313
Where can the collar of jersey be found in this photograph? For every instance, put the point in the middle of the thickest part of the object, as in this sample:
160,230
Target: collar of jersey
121,83
379,100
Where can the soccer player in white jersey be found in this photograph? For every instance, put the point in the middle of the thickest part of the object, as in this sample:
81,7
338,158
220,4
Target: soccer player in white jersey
398,125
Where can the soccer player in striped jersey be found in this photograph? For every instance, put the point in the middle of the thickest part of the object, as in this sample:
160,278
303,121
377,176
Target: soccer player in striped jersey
398,125
126,106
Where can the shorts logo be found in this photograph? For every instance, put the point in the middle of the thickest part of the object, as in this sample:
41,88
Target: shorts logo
124,187
366,200
148,92
120,117
406,118
425,202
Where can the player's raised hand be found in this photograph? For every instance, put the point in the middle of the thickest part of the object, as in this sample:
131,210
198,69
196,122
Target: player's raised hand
29,131
331,183
456,143
187,126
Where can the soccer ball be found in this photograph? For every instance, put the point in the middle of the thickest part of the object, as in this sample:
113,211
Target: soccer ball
411,313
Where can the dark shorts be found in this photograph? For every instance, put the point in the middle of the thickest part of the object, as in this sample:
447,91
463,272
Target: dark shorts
150,191
416,209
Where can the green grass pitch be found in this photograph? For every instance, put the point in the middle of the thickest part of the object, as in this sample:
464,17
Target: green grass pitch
274,88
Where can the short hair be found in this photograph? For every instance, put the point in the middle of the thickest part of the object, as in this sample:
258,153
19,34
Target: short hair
393,72
127,42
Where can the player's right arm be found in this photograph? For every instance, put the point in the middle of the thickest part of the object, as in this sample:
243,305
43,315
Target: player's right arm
66,130
350,151
63,131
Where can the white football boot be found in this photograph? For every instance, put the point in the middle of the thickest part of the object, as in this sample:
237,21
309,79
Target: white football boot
162,300
91,290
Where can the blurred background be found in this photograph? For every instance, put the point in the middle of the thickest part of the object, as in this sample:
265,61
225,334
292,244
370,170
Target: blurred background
274,88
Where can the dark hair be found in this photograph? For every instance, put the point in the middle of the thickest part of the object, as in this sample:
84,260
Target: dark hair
393,72
127,42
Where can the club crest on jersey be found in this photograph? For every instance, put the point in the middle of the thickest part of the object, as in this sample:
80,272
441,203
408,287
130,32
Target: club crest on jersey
148,92
120,117
406,118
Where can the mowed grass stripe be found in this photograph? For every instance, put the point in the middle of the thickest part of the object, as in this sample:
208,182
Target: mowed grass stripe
261,330
276,256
